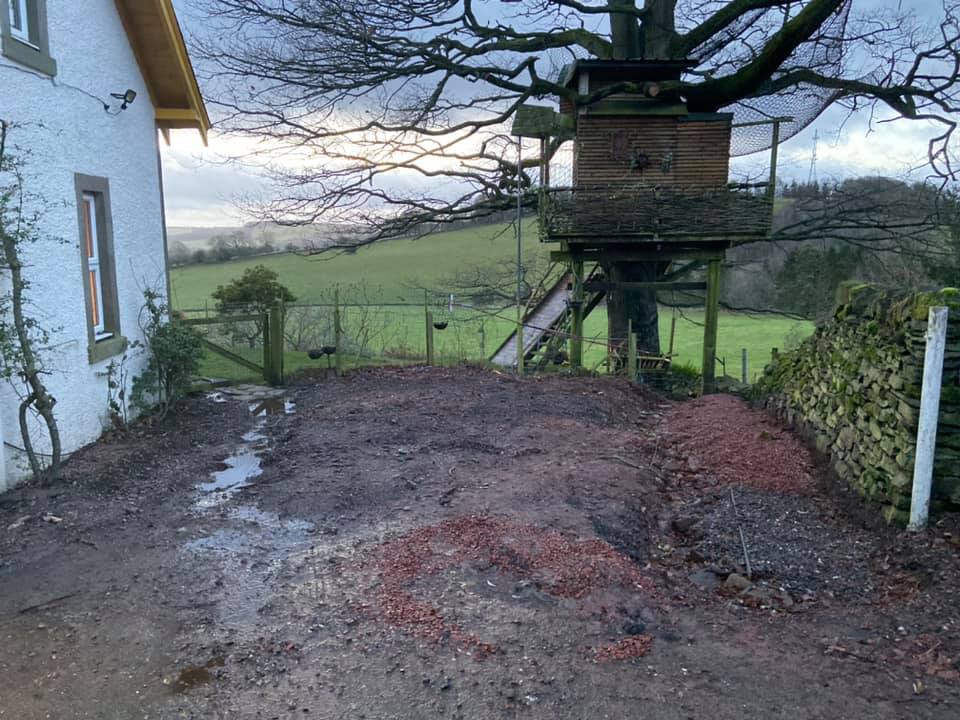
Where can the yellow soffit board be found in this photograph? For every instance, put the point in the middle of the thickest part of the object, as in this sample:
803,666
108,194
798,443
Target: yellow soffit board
157,43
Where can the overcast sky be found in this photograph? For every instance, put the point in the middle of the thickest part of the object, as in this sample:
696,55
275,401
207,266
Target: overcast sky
200,189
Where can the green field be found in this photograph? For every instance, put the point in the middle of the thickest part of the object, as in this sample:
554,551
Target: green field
389,271
394,272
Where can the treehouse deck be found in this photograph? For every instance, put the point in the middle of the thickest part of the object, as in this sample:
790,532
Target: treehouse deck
623,214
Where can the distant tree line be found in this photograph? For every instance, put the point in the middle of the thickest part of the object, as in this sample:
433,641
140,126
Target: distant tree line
871,229
230,246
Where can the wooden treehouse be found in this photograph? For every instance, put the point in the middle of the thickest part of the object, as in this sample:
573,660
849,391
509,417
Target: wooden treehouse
649,185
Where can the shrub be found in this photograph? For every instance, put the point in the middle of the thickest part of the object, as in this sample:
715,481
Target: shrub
174,351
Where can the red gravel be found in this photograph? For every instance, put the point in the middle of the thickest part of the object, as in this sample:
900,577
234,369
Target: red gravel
560,565
630,647
720,438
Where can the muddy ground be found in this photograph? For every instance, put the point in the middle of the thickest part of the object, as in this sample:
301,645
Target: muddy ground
425,543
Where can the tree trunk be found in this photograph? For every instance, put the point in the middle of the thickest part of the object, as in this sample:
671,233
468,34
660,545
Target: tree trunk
651,41
636,307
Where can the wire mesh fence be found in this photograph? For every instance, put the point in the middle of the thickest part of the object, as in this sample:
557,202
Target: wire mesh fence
372,334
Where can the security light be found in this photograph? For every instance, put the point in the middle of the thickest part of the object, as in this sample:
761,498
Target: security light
128,97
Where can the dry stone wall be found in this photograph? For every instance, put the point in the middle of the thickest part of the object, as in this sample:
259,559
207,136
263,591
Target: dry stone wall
854,385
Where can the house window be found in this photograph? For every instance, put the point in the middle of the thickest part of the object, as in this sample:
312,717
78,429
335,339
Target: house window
98,268
91,246
23,34
19,20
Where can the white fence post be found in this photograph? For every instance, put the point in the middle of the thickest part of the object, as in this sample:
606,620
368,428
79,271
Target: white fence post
929,412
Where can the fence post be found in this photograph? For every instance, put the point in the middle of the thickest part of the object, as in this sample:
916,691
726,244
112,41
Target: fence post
276,344
709,368
743,365
337,332
673,333
631,352
429,338
929,413
267,357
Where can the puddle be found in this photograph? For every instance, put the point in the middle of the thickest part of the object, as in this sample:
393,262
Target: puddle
253,550
272,406
235,474
237,471
252,545
195,675
254,531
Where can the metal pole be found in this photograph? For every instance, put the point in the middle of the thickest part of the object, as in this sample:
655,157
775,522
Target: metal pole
929,412
743,365
519,260
337,331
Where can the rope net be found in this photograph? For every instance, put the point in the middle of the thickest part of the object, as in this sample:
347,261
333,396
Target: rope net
731,49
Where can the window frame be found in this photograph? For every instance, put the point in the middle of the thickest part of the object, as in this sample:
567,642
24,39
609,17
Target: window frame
33,48
22,34
104,338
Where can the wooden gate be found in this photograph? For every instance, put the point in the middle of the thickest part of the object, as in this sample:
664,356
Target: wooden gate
272,321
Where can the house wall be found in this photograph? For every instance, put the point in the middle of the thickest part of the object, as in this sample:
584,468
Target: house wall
66,131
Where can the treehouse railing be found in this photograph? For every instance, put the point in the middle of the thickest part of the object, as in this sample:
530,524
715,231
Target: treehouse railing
601,214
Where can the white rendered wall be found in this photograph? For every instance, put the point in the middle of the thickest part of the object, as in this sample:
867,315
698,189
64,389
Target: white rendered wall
77,136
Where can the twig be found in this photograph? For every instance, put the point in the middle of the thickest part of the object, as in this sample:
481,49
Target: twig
743,539
47,603
617,458
850,653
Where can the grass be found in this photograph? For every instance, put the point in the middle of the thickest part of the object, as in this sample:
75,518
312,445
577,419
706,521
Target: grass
390,271
397,334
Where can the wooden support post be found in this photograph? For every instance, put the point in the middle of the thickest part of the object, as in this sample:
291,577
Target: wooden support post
337,332
276,344
576,308
710,327
743,366
631,352
673,332
429,338
774,152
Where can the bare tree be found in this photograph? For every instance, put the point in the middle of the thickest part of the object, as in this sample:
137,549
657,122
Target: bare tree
21,335
393,113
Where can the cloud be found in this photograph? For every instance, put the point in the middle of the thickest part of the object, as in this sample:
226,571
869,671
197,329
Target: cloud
203,187
847,149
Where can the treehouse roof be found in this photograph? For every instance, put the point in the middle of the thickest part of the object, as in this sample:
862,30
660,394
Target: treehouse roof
624,70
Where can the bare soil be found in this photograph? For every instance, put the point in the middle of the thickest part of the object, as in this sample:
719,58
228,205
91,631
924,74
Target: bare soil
425,543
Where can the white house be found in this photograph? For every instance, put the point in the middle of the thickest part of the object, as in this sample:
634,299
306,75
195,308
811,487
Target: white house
67,69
